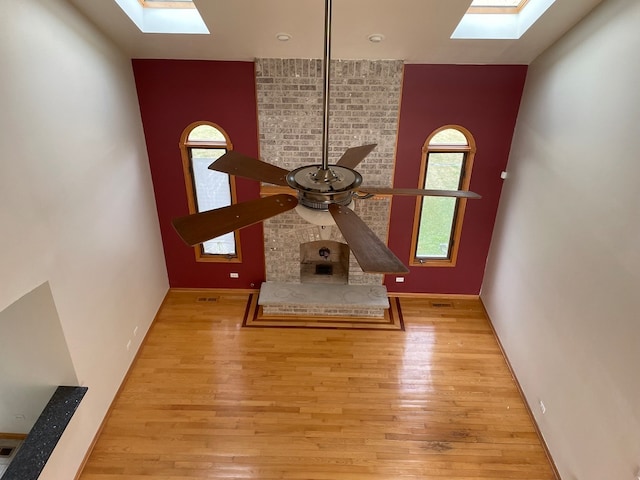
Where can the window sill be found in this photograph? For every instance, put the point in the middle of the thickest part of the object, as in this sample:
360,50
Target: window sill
432,263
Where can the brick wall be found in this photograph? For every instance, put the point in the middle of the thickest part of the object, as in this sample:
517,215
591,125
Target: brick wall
364,108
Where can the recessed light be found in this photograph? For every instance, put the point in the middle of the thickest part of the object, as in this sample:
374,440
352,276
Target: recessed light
376,37
283,37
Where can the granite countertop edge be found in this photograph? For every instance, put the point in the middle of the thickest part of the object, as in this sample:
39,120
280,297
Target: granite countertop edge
43,437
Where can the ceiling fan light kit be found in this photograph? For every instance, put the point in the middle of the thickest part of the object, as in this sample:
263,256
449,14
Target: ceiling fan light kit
321,218
322,190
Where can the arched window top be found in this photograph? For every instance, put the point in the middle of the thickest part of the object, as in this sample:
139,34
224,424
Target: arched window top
204,132
449,136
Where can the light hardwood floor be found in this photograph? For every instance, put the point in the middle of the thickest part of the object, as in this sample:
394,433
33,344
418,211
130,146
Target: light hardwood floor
207,398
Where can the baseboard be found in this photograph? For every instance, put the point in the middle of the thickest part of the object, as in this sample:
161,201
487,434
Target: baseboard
459,296
547,452
13,436
391,294
216,290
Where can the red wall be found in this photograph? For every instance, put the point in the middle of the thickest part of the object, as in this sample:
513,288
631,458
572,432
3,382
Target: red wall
485,100
173,94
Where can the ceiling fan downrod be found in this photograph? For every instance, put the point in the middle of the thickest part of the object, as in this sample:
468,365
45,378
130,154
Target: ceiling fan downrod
325,91
319,186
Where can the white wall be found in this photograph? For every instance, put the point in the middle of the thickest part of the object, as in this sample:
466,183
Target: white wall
563,279
34,359
76,202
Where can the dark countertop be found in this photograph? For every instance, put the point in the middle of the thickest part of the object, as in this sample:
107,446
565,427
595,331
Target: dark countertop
43,437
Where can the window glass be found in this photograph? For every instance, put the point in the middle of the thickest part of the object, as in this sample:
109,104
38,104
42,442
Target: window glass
449,136
212,191
436,222
207,132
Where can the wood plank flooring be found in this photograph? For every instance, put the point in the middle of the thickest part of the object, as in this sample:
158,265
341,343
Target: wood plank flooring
208,399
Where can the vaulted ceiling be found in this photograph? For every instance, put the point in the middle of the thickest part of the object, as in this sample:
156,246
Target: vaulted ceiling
416,31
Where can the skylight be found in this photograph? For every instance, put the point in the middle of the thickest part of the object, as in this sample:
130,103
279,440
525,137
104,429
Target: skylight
500,19
164,16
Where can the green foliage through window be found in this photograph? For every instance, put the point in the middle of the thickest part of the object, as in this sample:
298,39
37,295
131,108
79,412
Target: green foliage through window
436,221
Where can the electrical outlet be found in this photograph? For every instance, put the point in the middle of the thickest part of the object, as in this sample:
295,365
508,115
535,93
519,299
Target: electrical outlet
234,275
399,279
135,331
543,409
128,345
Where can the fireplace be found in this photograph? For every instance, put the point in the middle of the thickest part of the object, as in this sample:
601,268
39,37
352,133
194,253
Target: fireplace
365,104
324,261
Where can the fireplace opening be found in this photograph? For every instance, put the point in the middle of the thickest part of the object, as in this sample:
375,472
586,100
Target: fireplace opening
324,261
324,269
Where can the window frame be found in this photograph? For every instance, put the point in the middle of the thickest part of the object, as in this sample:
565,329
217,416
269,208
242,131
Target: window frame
469,151
166,4
506,10
185,152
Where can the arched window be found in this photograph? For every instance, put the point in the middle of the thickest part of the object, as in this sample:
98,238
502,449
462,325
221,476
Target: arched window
447,158
201,144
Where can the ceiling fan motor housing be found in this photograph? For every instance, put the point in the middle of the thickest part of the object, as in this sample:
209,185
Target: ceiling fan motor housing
318,188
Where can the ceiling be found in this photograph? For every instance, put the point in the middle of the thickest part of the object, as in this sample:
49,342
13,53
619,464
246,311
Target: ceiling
416,31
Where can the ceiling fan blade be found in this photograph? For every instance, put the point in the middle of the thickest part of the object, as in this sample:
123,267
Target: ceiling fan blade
354,155
419,192
203,226
235,163
372,254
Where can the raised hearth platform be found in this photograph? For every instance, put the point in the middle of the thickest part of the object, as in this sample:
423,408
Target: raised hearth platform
323,299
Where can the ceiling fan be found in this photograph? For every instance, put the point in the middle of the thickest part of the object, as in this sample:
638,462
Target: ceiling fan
321,187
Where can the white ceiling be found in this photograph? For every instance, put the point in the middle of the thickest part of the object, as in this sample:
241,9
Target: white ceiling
416,31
